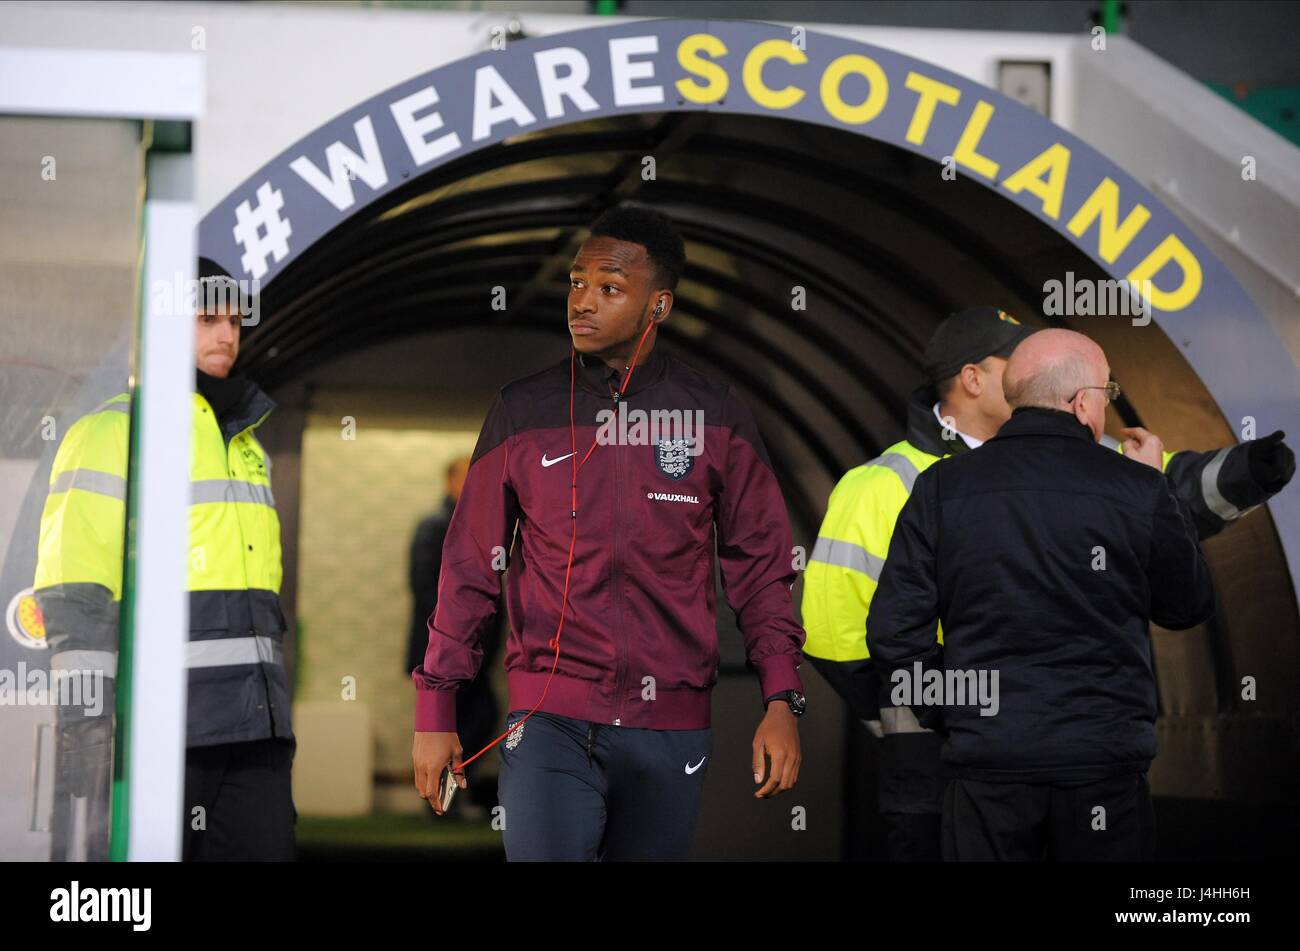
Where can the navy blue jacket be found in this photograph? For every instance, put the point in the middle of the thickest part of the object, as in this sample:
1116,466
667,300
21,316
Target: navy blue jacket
1045,556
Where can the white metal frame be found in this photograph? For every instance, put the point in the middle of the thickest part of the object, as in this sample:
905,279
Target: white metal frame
100,84
129,85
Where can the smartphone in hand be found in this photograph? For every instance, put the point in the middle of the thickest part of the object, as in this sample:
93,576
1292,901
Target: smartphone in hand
447,787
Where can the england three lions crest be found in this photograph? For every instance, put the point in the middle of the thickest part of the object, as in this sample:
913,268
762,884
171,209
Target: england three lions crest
674,457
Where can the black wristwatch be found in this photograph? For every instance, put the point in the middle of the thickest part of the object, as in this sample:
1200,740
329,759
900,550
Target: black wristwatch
798,702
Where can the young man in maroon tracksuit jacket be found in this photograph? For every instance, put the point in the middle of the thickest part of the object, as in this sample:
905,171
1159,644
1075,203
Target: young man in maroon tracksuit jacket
612,763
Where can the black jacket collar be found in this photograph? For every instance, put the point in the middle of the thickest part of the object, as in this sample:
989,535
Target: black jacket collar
237,402
1040,421
924,431
595,375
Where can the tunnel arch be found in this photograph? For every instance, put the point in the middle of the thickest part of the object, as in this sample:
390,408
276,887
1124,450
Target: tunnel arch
689,69
766,199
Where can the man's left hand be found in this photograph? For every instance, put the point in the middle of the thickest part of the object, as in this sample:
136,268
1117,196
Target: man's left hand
777,739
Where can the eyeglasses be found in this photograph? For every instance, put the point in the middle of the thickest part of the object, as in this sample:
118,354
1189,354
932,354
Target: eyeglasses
1112,391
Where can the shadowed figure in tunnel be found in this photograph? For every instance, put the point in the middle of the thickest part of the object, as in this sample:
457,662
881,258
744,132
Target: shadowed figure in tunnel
476,706
962,405
613,530
1046,557
239,744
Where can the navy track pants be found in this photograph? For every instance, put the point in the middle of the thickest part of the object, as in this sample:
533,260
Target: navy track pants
576,791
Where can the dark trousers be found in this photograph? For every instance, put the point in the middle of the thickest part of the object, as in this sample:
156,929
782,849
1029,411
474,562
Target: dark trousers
913,836
911,778
1109,820
83,772
910,791
239,802
575,791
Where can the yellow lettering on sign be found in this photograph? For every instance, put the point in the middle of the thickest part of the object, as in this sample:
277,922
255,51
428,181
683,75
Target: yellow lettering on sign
1103,204
1170,249
932,92
752,74
869,108
690,58
966,151
1054,163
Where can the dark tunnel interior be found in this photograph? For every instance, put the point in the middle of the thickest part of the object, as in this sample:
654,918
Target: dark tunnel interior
880,247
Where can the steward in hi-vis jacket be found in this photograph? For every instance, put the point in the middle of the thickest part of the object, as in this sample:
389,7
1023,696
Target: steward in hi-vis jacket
238,735
964,361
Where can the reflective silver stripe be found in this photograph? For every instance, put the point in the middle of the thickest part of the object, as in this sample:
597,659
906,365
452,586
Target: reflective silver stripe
229,651
900,720
113,407
1214,500
230,490
1110,442
86,660
90,480
900,464
831,551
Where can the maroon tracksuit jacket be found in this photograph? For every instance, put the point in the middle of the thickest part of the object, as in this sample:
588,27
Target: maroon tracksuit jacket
641,594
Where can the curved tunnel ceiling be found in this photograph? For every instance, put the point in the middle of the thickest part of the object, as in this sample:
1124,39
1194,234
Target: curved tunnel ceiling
881,246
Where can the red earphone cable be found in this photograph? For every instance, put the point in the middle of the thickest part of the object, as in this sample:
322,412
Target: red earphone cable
573,538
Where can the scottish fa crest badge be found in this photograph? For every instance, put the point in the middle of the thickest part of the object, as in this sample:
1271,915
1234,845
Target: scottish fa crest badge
674,458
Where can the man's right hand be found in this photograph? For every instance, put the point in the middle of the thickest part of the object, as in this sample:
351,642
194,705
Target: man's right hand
431,754
1143,446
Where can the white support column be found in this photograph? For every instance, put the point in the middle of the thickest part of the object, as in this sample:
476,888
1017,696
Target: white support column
166,368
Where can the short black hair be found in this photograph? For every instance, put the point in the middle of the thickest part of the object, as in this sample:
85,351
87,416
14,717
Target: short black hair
652,231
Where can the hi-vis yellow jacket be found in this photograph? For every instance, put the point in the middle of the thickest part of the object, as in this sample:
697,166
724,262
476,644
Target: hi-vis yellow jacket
238,689
844,568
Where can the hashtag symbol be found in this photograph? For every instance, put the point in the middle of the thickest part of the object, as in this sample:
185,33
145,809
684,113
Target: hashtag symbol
261,231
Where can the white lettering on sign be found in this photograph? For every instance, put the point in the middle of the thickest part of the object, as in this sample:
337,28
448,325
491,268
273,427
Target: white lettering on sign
489,86
415,130
336,187
572,85
624,71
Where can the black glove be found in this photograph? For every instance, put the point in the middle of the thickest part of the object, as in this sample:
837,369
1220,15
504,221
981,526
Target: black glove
1271,461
